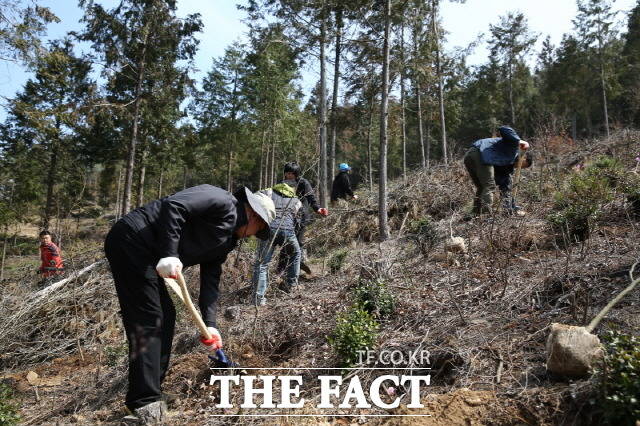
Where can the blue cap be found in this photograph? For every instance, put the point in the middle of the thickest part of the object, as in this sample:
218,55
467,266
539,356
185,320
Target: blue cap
344,167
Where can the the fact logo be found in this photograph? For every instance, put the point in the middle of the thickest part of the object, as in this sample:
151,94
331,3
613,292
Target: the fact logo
290,387
336,392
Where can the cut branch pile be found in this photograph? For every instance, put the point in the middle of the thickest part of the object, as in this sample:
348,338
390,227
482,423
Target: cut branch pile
72,315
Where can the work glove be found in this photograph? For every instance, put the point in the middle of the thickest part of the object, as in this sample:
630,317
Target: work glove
215,342
168,267
323,211
524,145
355,197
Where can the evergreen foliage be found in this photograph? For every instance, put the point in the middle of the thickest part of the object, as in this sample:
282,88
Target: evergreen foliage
619,379
356,331
146,128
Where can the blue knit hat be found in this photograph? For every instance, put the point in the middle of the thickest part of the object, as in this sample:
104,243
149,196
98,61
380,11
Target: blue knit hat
344,167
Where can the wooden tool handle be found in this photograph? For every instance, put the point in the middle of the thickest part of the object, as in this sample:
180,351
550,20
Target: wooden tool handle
516,178
192,309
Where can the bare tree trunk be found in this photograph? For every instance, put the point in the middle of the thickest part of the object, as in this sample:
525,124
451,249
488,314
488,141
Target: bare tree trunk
416,85
336,83
513,110
322,184
604,101
443,125
4,251
272,180
119,195
160,182
185,176
6,234
267,158
229,165
427,141
141,175
51,180
384,115
369,153
234,112
262,157
131,151
402,105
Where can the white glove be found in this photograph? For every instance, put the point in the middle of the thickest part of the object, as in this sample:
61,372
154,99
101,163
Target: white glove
216,339
168,267
355,197
524,145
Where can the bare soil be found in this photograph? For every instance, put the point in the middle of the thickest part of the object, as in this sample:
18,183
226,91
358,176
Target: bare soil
482,315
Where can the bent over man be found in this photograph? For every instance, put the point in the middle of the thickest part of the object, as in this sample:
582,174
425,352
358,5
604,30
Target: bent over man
481,158
196,226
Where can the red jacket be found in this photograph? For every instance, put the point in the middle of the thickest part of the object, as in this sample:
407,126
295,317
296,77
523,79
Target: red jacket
51,260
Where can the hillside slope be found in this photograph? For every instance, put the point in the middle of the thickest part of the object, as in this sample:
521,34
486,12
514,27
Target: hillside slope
482,315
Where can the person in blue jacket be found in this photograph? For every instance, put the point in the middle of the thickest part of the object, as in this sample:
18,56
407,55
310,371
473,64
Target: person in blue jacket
481,158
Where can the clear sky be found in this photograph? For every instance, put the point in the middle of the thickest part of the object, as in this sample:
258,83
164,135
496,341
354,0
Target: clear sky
222,25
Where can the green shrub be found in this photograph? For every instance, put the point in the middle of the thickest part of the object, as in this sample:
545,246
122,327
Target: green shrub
608,169
578,204
425,234
336,261
619,379
355,331
375,298
632,191
8,408
114,355
573,223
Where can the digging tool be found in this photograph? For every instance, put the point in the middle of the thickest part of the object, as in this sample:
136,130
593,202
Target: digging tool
516,177
571,350
179,287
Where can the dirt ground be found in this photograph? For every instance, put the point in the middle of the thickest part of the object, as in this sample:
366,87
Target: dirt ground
482,315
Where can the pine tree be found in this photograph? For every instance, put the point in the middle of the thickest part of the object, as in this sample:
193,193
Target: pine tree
630,76
21,30
511,41
48,112
594,24
141,43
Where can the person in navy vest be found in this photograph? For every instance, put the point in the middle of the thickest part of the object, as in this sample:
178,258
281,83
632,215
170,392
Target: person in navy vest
481,158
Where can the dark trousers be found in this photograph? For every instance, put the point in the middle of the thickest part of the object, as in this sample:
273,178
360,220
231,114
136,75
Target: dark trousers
148,313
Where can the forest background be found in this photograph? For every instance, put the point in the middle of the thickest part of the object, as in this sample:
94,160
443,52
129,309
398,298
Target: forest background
128,119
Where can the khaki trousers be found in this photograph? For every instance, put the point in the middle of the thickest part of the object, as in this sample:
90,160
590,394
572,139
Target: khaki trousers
483,179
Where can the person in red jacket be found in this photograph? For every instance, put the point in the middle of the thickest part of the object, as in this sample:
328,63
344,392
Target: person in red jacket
50,256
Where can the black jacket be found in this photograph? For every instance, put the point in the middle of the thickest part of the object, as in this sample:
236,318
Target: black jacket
304,191
197,226
341,187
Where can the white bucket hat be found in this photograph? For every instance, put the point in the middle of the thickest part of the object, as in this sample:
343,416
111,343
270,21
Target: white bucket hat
263,205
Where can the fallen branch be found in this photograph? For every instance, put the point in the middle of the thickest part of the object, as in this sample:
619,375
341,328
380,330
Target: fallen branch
594,323
45,291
